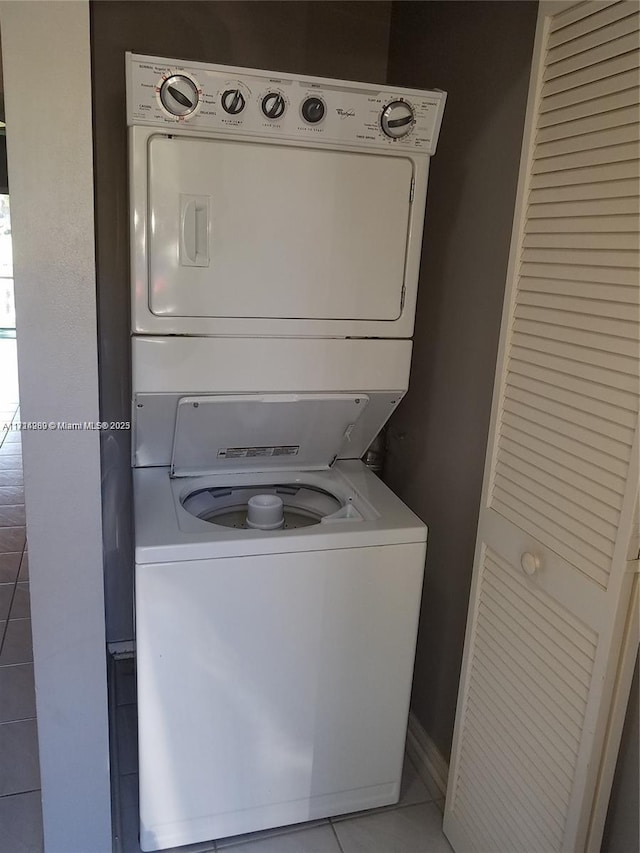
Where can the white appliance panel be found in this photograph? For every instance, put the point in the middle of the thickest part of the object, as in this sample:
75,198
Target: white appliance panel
263,683
166,532
239,365
353,112
166,369
262,431
242,229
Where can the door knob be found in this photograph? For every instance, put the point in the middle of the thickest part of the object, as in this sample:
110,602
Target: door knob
530,563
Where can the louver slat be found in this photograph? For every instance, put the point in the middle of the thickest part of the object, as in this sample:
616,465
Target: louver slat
571,271
588,408
626,259
617,135
531,455
528,467
608,68
586,18
584,240
589,91
573,377
514,610
590,124
507,646
507,741
585,59
531,706
499,795
589,175
564,359
588,157
602,35
617,366
548,504
560,757
527,748
558,433
627,224
588,108
610,347
557,301
542,810
586,207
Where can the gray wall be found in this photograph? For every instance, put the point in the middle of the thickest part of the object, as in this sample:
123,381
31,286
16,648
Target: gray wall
338,39
480,53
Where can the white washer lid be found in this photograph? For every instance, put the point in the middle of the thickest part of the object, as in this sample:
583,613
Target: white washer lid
260,432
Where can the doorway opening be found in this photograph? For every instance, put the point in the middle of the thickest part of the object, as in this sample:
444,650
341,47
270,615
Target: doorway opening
7,303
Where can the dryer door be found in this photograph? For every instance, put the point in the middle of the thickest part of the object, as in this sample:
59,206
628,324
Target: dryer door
252,230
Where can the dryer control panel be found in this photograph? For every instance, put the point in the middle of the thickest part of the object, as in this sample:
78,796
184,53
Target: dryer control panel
245,102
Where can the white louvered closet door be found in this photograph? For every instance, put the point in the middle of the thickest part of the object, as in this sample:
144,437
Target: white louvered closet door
554,558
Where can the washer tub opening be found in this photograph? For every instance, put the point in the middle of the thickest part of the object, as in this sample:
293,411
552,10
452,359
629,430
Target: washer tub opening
304,505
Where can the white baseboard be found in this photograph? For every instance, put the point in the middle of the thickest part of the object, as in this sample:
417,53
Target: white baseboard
429,761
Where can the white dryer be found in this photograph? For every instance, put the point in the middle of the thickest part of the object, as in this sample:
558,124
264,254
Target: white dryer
306,221
276,230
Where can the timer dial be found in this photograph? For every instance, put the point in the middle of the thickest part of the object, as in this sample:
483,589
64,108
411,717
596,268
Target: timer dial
179,95
397,119
273,105
313,110
233,101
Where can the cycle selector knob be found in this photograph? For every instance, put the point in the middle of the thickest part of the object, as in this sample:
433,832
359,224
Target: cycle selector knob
397,119
313,110
273,105
233,101
179,95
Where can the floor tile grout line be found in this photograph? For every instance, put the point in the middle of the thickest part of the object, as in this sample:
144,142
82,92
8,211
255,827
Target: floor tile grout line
18,793
335,835
378,810
13,595
18,720
6,431
9,665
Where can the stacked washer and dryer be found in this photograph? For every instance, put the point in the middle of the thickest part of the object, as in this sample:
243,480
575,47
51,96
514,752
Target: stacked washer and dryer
276,234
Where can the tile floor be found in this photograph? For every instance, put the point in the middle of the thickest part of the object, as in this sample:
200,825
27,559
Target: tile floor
20,809
414,825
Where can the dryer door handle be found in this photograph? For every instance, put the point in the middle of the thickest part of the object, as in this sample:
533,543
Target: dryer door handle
194,230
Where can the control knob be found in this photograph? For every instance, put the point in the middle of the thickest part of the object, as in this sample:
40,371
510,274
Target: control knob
397,119
233,101
179,95
313,110
273,105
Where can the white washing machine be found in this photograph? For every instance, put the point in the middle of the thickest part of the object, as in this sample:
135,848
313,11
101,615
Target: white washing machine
276,230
